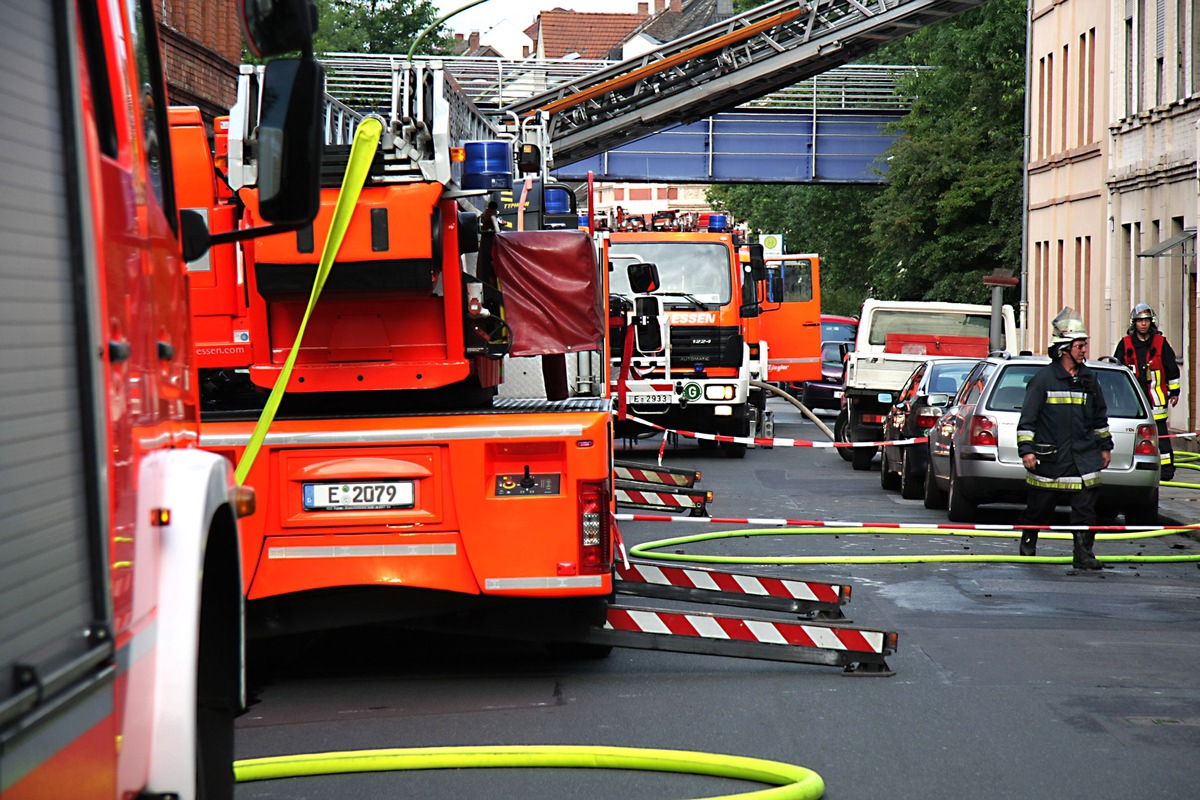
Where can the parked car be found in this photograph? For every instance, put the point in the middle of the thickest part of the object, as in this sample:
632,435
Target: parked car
838,329
926,393
973,458
827,392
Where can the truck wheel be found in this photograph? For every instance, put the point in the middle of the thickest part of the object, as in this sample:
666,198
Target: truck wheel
888,480
733,449
910,480
959,507
935,498
861,458
841,434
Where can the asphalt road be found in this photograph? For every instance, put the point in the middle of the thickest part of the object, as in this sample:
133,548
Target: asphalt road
1012,680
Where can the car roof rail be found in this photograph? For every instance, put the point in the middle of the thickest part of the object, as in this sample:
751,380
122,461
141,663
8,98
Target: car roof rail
999,354
1108,360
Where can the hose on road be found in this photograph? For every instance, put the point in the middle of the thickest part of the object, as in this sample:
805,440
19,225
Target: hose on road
654,549
789,782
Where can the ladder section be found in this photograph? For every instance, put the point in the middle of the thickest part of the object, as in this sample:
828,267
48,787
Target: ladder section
718,68
423,109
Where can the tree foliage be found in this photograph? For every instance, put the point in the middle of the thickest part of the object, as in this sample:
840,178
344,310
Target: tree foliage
949,210
377,26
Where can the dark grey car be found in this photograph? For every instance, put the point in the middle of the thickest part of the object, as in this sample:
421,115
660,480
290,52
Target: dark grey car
918,407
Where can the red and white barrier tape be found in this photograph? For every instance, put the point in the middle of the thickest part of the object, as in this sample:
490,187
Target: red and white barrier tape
770,442
949,526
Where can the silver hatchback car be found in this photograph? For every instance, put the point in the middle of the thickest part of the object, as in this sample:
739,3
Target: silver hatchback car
973,456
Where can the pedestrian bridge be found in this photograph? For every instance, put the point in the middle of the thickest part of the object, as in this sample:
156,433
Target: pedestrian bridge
828,128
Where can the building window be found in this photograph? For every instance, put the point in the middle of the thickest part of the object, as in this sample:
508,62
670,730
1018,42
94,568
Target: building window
1064,108
618,193
641,194
1041,122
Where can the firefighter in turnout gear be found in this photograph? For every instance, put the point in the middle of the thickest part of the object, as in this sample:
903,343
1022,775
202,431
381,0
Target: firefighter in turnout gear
1063,439
1148,353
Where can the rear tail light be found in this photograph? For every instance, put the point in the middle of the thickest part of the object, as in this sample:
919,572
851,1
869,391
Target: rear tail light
983,431
928,418
595,536
1147,441
873,419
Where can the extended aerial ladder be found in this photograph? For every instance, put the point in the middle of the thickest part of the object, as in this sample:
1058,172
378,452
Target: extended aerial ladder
716,69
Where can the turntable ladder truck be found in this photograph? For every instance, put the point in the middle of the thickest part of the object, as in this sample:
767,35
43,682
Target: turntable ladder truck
395,482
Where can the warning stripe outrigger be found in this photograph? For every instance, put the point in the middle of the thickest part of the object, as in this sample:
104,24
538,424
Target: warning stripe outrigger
859,650
657,488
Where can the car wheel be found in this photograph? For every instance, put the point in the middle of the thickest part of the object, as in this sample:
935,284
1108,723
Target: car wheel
1144,514
861,458
910,480
935,498
733,449
888,480
959,507
842,434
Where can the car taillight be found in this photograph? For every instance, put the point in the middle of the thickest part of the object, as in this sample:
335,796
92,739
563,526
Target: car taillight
928,418
873,419
983,431
595,540
1147,441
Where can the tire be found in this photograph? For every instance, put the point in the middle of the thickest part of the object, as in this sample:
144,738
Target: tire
888,480
733,449
959,507
910,479
935,498
840,434
1145,513
861,458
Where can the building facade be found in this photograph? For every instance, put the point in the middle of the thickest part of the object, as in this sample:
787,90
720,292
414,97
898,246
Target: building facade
1113,176
202,48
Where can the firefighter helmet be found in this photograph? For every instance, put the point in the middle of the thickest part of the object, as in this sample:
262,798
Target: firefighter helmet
1066,328
1142,311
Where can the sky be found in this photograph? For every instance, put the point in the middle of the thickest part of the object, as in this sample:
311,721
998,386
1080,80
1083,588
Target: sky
520,12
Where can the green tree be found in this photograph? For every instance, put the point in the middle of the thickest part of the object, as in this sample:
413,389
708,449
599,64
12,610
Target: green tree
949,210
377,26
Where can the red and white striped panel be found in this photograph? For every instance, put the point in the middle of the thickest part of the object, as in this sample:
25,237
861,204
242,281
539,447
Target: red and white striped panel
660,499
715,581
708,626
650,475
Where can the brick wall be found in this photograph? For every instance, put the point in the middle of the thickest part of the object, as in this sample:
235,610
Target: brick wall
202,46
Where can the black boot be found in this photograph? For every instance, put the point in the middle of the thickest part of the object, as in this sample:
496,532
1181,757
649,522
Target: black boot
1029,542
1082,557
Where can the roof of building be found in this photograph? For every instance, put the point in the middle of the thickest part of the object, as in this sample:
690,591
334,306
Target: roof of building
693,15
565,32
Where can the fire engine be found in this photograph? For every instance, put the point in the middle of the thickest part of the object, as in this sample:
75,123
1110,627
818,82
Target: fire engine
121,606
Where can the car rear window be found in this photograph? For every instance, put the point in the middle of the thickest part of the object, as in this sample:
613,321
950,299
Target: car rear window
1120,394
1124,399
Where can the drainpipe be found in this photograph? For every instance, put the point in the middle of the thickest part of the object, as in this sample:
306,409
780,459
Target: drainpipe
1023,305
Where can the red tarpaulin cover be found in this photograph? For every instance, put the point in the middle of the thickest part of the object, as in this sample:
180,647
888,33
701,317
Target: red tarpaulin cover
552,291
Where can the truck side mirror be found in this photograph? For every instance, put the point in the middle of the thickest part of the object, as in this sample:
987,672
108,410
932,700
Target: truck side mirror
274,27
643,277
758,262
193,234
289,141
648,329
774,284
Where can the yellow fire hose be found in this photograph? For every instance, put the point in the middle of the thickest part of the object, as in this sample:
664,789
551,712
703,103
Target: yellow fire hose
654,549
366,140
790,782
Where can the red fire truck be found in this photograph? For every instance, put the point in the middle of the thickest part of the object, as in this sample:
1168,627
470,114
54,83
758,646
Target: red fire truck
120,585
